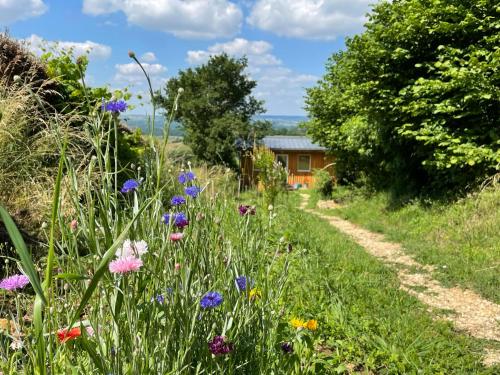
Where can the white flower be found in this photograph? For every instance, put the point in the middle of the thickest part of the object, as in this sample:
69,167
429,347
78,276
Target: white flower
132,249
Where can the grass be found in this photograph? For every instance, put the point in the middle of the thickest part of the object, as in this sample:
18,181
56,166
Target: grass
365,321
461,239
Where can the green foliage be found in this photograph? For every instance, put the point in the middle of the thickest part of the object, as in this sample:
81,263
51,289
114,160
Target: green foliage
216,108
323,182
414,101
271,174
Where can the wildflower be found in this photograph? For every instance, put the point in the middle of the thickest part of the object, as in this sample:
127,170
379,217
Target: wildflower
219,346
241,282
297,323
254,294
192,191
287,347
114,106
129,185
246,210
186,177
178,218
159,298
211,300
90,330
177,200
177,266
14,282
16,344
65,334
132,249
73,225
176,236
311,325
125,265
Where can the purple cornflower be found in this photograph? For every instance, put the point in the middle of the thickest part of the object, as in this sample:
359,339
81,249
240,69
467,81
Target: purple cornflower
14,282
287,347
114,106
219,346
241,281
211,300
186,177
159,298
179,219
130,185
246,210
192,191
177,200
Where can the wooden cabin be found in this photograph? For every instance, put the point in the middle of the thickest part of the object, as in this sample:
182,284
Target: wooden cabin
298,154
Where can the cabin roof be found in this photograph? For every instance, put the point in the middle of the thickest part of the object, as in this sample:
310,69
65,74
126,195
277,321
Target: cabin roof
291,143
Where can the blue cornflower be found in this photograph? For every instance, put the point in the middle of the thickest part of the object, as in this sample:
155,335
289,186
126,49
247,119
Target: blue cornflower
192,191
130,185
211,300
186,177
159,298
179,219
114,106
241,281
177,200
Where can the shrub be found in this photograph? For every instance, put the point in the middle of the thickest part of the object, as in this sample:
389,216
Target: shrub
323,182
271,174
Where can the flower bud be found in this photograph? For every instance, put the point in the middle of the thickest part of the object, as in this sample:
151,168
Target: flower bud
17,78
180,90
131,54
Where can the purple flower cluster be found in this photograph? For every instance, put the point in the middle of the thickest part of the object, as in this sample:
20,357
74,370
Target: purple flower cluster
246,210
114,106
177,200
211,300
287,347
186,177
129,185
192,191
14,282
219,346
242,282
179,219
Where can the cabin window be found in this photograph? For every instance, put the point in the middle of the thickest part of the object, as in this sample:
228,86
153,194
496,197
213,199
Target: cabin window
282,159
304,163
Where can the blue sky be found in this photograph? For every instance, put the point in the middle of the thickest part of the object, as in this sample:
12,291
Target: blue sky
287,41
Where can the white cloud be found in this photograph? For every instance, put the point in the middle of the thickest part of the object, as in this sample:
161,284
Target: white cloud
183,18
310,19
258,52
281,88
148,57
92,49
15,10
132,73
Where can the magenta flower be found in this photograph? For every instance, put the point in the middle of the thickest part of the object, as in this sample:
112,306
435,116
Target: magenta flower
246,210
14,282
219,346
125,265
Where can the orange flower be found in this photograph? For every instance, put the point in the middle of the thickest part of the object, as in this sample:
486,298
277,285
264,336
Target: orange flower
65,335
311,325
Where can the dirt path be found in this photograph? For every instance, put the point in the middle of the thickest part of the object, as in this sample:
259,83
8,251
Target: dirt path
469,311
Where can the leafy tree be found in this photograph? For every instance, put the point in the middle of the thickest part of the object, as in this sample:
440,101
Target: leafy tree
414,101
216,108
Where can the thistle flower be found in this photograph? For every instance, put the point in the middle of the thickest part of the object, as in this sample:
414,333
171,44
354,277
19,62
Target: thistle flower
125,265
177,200
132,249
211,300
129,185
192,191
186,177
176,236
14,282
246,210
114,106
65,334
219,346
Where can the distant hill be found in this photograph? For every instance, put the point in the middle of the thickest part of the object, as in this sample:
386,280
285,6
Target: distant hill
280,124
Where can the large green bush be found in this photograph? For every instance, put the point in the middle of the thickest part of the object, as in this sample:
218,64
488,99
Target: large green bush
414,101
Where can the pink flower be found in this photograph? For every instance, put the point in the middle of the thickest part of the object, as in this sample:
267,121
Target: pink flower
125,265
90,330
177,266
73,225
176,236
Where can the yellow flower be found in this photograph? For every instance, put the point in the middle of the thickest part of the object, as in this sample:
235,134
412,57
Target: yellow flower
297,323
254,293
311,325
